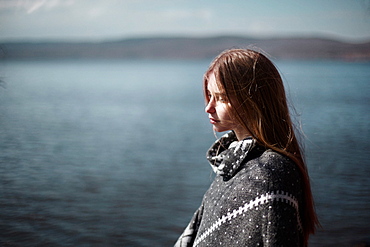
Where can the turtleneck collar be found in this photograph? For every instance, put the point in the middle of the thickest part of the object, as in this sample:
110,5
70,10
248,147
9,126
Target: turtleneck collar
226,154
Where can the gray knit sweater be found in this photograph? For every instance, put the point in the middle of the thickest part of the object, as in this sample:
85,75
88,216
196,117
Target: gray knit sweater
254,200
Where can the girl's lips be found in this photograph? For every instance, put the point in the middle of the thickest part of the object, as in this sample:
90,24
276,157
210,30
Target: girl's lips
213,121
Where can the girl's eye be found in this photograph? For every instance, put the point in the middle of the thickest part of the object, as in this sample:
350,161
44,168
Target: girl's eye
217,97
222,100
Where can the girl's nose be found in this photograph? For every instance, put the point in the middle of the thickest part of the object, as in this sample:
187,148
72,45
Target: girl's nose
210,108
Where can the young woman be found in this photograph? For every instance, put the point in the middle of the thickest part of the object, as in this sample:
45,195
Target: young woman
261,194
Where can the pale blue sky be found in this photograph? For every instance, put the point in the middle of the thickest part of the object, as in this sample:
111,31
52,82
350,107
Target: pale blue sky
113,19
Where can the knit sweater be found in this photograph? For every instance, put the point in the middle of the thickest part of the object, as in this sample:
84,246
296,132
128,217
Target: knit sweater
254,200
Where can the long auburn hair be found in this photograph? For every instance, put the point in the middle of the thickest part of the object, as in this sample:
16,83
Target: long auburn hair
256,93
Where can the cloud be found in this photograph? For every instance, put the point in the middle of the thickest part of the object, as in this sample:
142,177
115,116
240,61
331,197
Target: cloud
106,19
184,14
31,6
35,6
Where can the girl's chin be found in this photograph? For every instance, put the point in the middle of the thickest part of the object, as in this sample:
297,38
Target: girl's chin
218,129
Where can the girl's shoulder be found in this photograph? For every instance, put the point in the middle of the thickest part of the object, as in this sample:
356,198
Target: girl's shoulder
272,171
271,161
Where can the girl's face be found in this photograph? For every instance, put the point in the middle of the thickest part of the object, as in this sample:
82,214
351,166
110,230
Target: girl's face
218,108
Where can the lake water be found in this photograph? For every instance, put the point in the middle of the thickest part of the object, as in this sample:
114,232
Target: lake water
112,153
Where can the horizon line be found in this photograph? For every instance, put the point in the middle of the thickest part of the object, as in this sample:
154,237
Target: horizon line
183,36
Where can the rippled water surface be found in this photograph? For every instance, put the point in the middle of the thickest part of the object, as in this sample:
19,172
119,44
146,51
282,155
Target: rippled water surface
111,153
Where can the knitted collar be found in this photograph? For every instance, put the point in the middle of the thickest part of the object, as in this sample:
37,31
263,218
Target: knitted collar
226,154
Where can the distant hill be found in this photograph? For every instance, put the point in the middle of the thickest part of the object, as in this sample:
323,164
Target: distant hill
185,48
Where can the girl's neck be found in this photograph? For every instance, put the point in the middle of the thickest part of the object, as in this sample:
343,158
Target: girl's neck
241,134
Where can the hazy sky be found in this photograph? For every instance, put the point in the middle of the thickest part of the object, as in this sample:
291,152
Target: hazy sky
113,19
